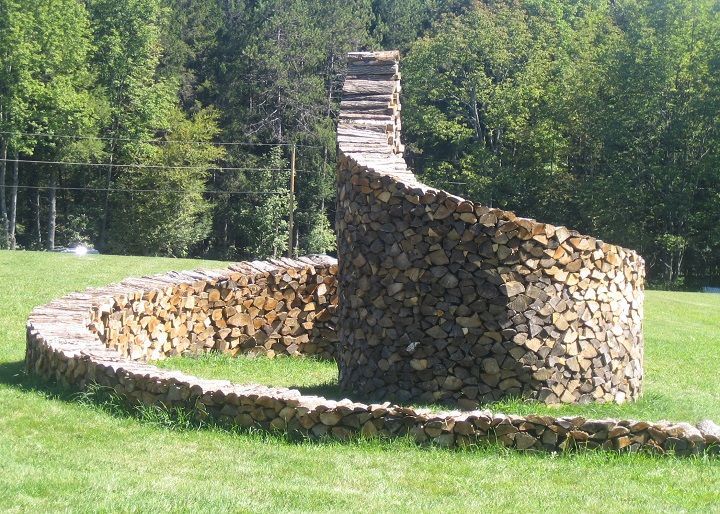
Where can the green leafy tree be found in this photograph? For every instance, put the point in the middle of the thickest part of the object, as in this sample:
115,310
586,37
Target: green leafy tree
651,154
264,219
478,116
15,76
138,100
599,116
398,24
279,69
189,39
175,218
45,88
321,237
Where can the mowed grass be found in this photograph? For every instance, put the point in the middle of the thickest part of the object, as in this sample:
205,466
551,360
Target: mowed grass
682,369
309,375
60,455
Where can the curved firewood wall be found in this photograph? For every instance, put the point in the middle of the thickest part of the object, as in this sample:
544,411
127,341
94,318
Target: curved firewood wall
276,307
445,300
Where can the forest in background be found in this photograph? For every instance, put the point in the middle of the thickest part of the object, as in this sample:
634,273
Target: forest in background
165,127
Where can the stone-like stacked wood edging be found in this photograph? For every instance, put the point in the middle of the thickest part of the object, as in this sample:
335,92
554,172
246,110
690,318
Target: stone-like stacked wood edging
446,300
64,345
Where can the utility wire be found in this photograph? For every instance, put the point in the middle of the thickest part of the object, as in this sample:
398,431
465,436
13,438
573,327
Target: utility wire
151,166
125,190
151,141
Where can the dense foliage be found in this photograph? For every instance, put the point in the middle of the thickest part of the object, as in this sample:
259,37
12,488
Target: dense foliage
600,115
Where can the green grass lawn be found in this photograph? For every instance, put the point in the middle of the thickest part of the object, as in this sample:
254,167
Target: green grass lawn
60,455
681,367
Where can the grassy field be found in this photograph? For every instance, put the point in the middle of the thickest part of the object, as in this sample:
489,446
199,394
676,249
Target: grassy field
60,455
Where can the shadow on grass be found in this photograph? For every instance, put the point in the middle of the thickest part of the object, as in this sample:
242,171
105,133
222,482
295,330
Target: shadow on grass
183,419
648,408
104,399
14,374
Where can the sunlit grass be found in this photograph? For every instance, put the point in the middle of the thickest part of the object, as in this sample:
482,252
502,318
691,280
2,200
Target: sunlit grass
312,376
681,381
61,454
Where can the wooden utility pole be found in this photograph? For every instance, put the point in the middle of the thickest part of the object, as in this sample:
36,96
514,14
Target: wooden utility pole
52,210
291,202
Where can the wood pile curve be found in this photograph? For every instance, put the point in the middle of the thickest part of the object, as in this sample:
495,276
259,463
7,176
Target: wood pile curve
433,297
446,300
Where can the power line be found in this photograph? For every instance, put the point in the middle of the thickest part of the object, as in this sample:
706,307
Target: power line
152,141
151,166
127,190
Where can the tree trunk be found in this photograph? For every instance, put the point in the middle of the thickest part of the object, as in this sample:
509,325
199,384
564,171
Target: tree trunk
476,115
106,205
226,236
13,202
331,81
678,267
52,211
322,180
5,234
38,225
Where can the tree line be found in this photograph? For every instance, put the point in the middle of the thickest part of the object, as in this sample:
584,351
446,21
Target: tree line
602,115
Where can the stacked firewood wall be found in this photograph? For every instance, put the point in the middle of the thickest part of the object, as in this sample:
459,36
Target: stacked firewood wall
446,300
283,307
60,348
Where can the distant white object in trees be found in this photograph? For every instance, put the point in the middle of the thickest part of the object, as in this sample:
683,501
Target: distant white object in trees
79,250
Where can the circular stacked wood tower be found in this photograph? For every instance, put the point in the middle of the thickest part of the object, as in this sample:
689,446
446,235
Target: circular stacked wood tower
442,299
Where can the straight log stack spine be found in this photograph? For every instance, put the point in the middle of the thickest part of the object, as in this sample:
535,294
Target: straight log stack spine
446,300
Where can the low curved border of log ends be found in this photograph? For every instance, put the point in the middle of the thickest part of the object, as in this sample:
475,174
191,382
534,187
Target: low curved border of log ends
446,300
64,344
